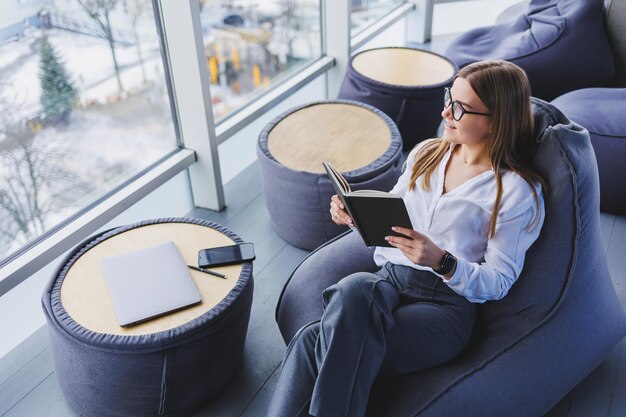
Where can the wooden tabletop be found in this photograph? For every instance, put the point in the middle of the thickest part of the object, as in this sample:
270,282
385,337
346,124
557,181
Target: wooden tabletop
403,67
346,135
86,298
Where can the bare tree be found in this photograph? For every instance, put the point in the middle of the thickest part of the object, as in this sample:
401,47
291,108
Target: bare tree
23,214
99,11
135,9
34,185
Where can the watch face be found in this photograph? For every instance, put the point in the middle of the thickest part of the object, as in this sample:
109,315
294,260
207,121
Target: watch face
447,264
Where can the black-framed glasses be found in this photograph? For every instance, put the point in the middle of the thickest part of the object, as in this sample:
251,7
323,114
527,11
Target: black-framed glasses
457,108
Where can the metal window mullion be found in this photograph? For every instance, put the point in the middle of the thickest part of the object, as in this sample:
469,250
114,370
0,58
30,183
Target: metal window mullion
234,124
186,61
401,12
420,21
336,42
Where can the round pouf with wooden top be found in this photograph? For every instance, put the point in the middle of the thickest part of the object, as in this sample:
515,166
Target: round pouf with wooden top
359,141
405,83
162,367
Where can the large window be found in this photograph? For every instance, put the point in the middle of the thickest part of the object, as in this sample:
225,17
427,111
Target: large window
251,45
84,106
366,12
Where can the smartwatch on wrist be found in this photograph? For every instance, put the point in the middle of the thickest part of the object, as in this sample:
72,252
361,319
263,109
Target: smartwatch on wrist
446,264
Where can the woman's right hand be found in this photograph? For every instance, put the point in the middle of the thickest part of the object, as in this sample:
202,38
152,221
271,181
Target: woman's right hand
338,213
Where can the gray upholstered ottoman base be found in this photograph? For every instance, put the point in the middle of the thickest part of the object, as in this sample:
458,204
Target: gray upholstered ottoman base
298,202
167,373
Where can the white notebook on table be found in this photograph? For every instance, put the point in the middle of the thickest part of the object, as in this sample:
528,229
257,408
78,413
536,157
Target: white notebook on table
148,283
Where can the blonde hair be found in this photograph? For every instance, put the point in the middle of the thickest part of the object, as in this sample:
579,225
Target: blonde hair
505,90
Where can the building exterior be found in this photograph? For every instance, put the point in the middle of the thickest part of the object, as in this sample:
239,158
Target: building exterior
16,15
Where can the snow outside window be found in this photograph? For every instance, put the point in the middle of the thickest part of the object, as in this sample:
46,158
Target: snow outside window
84,106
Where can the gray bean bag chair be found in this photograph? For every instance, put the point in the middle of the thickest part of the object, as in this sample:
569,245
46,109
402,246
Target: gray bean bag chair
601,112
168,373
298,201
561,44
513,11
558,322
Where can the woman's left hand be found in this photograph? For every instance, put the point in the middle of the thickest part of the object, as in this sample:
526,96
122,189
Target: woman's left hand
417,247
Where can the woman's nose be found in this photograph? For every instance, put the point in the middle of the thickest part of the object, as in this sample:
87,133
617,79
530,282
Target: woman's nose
446,112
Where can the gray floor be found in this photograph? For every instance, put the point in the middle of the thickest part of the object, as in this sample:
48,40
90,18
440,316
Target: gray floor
28,386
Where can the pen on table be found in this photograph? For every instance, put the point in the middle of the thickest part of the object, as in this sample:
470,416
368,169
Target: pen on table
207,271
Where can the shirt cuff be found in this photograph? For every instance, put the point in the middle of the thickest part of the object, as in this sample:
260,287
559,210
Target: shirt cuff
456,277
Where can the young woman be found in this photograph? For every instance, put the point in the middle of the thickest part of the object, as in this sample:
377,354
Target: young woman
476,207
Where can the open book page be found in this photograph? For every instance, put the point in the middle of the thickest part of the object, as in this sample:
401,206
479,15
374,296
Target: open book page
341,186
373,193
339,182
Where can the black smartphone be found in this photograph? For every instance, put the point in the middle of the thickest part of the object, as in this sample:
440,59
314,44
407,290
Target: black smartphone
226,255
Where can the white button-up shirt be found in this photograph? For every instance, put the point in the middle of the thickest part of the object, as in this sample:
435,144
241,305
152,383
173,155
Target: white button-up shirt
458,221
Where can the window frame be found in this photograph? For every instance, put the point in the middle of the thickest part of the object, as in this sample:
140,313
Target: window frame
19,266
371,31
178,24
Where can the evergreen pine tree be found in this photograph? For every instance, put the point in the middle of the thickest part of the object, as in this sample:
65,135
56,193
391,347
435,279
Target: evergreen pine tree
57,91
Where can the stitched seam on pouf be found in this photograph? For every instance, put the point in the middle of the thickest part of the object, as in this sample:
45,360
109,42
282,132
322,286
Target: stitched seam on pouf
536,51
402,89
163,384
196,327
218,322
606,135
393,151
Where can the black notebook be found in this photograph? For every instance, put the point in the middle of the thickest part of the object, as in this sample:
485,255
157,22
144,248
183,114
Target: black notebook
373,212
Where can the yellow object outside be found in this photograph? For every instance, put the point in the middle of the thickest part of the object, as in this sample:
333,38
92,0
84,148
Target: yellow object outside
236,65
256,75
213,69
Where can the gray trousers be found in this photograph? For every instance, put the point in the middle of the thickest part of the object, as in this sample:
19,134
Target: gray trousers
395,321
